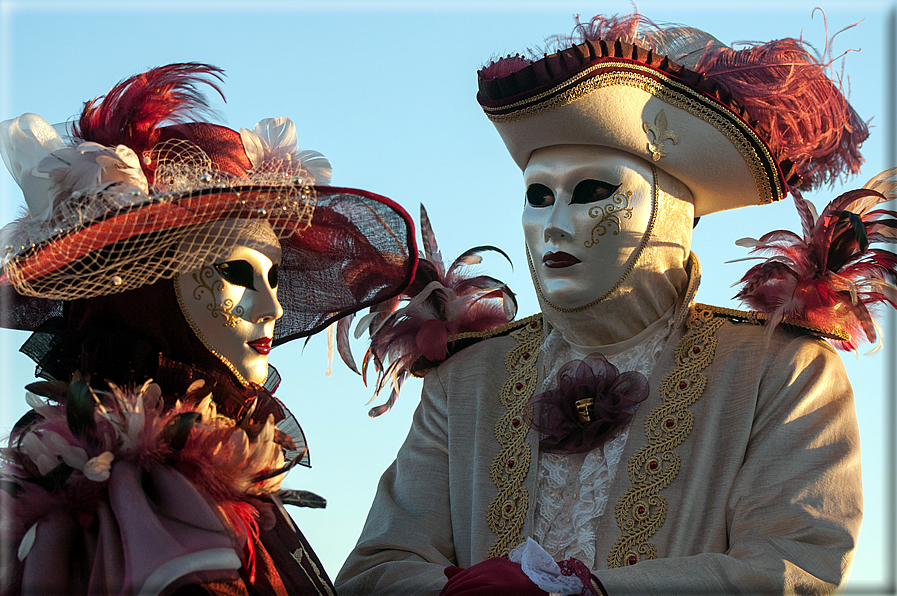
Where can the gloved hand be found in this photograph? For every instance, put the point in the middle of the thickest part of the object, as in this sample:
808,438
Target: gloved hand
492,577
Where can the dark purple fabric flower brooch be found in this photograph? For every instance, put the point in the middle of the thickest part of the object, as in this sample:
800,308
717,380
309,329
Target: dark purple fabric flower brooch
591,402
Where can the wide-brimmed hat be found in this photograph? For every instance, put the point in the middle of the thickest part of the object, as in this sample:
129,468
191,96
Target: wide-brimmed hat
738,127
119,201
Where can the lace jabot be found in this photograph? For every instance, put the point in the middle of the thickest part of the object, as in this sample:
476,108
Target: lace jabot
573,489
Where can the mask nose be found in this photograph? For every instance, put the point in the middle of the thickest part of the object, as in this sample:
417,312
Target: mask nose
265,305
559,226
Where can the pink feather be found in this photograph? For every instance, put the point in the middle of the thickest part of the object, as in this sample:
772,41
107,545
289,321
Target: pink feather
830,278
441,302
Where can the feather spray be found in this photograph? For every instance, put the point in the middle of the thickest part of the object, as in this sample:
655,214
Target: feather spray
133,111
440,303
829,278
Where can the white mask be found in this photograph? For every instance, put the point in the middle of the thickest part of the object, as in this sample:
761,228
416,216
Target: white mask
589,211
232,307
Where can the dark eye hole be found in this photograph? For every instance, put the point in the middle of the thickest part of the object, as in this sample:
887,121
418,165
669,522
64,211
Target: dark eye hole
239,273
539,195
590,191
272,276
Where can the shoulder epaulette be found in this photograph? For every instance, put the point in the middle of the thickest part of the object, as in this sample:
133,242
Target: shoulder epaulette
759,318
458,342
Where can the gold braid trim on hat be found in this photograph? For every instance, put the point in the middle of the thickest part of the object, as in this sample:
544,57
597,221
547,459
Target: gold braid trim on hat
641,511
632,261
665,88
507,511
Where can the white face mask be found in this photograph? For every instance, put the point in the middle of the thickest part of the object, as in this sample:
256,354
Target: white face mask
232,306
588,211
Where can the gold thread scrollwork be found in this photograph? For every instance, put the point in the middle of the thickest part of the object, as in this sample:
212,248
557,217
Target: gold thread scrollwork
642,510
662,133
609,214
229,312
507,511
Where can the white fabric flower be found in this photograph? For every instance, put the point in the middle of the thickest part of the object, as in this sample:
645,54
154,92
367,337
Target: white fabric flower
274,140
98,468
24,142
90,167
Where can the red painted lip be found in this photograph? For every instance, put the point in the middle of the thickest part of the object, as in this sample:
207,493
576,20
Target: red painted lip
558,260
261,345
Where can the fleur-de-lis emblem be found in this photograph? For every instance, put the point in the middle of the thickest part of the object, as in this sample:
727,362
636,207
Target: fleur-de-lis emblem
661,135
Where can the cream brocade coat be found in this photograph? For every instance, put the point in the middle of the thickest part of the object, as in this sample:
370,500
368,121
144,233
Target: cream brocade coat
748,485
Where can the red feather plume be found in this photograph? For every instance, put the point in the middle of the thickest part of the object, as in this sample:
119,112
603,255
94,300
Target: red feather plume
804,115
133,111
829,278
440,303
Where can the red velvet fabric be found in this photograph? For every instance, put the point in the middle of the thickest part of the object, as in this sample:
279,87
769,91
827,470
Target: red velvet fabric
492,577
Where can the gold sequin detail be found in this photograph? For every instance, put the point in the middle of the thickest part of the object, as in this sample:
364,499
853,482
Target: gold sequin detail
507,511
641,511
668,90
608,214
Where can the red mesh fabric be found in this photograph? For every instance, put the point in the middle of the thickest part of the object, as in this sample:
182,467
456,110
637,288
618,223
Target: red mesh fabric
359,250
223,145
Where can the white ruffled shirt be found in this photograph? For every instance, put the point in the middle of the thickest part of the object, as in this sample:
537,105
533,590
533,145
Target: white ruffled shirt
573,489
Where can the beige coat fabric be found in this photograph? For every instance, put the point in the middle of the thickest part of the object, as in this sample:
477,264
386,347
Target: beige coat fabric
764,495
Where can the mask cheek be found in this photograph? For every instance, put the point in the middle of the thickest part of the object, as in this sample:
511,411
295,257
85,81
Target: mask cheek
213,308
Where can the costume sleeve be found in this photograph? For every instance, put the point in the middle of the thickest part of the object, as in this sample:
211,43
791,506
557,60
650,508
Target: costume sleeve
795,509
406,542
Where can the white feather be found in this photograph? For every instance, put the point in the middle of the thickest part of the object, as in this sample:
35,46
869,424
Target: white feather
24,142
90,167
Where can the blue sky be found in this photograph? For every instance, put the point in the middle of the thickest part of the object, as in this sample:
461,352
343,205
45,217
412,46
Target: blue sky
386,90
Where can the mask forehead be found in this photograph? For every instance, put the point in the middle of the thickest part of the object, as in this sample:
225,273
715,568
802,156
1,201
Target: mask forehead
566,165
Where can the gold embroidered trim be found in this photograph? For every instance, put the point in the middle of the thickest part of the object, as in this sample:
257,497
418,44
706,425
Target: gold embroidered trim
682,97
632,261
507,511
641,511
496,330
758,318
202,338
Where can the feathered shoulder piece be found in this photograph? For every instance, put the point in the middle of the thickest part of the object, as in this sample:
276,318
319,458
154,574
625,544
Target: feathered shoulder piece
754,317
461,341
830,277
424,324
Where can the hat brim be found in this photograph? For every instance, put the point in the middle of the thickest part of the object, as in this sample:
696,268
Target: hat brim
356,250
617,102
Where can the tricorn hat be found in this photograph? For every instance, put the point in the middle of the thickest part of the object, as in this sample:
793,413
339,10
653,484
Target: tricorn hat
738,127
